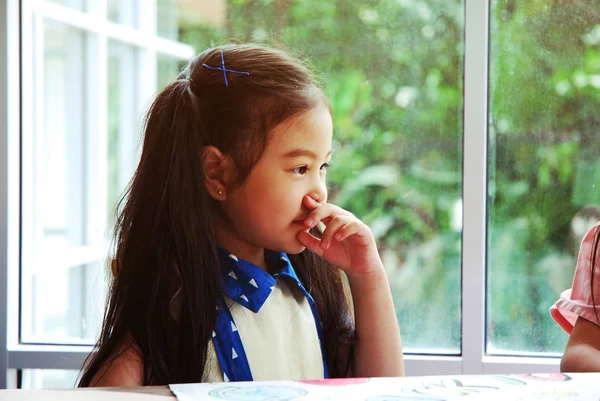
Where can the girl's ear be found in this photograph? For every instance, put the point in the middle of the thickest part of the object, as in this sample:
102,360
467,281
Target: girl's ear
219,172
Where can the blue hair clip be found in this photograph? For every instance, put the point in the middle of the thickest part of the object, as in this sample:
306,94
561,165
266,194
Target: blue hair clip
225,71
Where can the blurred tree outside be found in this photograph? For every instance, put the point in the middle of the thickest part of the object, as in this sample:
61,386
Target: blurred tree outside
544,97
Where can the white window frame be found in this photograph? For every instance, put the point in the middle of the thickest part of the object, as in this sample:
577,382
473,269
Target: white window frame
13,355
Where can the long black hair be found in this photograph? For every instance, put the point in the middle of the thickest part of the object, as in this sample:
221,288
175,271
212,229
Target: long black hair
164,236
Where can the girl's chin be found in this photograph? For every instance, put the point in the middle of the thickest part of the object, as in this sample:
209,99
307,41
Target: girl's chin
296,248
290,246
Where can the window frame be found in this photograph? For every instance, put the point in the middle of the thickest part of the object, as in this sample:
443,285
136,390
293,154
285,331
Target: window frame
15,89
9,173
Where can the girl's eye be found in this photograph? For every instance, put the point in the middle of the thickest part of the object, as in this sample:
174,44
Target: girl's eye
325,166
300,170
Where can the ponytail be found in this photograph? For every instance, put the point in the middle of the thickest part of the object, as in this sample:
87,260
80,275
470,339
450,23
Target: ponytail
165,223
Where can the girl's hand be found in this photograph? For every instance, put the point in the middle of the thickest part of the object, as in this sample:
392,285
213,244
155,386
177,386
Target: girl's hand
346,242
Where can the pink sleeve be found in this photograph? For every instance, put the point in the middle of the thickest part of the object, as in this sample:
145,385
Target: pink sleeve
577,301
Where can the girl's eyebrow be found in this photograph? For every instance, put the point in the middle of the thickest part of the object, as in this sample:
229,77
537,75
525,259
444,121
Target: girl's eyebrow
303,152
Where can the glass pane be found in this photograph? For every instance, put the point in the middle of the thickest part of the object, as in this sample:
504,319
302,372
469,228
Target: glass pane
76,4
123,122
61,266
62,183
544,167
166,17
67,303
393,73
48,379
167,70
122,12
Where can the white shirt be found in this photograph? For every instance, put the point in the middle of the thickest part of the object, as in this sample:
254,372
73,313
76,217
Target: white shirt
280,340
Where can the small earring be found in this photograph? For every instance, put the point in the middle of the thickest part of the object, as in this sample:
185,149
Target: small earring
219,191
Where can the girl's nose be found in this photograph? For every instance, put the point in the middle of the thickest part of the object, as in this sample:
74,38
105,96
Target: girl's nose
319,192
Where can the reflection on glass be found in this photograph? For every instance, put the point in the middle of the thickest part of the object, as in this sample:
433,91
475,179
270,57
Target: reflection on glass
393,73
544,170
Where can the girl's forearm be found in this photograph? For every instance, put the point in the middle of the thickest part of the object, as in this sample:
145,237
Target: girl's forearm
378,347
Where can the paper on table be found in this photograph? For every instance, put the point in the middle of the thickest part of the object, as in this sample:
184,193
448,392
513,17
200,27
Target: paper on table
542,387
573,390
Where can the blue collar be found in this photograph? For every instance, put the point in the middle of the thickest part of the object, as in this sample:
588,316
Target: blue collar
248,284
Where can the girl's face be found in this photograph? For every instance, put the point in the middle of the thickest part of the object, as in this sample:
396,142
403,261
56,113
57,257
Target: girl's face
267,210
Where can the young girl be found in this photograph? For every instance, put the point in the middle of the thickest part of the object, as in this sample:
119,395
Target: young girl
221,273
577,312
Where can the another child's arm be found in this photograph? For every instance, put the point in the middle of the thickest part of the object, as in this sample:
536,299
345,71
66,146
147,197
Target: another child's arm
577,311
583,349
348,243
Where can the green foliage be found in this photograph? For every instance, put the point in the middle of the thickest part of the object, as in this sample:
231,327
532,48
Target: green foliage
542,123
393,71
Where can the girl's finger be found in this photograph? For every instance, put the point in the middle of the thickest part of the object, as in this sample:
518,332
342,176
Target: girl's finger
333,227
310,203
321,213
347,230
311,243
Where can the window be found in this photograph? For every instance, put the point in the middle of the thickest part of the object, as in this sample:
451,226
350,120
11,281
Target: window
76,162
544,86
89,69
478,211
60,245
